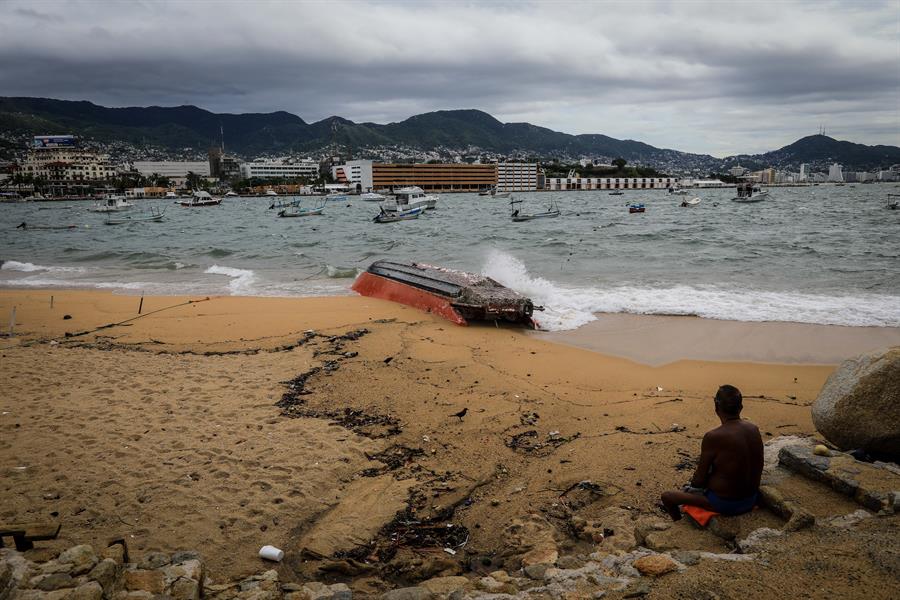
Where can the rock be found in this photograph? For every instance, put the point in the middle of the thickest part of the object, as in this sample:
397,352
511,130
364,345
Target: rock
154,560
851,519
185,589
105,573
615,530
444,586
408,593
115,552
501,576
686,557
569,562
756,538
859,406
537,571
82,559
88,591
800,519
655,565
530,541
185,555
340,591
54,581
492,586
145,581
637,589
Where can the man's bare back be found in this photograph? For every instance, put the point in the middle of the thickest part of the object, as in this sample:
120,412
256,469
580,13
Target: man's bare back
730,466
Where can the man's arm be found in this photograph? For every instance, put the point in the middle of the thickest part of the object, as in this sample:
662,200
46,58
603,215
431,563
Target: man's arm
707,454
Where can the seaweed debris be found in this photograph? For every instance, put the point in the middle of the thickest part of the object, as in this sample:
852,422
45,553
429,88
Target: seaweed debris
528,442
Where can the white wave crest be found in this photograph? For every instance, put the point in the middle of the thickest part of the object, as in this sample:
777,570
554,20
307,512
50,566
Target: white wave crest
570,307
242,280
27,267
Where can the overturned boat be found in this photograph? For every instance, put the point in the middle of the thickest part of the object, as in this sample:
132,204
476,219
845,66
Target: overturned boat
455,295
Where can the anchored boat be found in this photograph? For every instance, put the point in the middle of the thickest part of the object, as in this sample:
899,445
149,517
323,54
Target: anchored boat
455,295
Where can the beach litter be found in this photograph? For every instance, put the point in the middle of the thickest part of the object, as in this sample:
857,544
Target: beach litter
271,553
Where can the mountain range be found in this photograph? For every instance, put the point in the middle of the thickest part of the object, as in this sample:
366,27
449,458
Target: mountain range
254,134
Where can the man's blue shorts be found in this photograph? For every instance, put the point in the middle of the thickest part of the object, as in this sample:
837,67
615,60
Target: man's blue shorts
731,507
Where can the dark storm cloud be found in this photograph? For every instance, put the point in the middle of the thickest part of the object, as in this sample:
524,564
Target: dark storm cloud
719,78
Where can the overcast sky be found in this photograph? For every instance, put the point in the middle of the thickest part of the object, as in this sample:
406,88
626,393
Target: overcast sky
709,77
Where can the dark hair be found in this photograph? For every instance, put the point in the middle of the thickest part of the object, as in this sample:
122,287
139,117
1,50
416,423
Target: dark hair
729,400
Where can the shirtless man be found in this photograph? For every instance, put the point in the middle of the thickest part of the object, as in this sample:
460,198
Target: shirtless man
731,461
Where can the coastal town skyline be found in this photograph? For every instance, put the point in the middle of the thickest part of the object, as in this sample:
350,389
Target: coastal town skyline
696,77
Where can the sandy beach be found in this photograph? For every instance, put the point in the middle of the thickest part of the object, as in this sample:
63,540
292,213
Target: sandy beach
165,428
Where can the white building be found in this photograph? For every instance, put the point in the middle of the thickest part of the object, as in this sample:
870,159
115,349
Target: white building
517,177
171,168
60,159
834,173
354,173
803,172
737,170
609,183
306,168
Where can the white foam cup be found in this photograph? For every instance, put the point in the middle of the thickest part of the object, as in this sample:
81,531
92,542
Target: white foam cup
271,553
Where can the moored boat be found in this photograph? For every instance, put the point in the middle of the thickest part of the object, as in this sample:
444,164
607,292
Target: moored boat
408,214
747,192
411,197
455,295
636,208
372,197
201,198
690,203
518,216
155,215
111,203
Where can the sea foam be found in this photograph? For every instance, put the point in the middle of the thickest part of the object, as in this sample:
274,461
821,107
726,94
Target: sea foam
27,267
569,307
242,280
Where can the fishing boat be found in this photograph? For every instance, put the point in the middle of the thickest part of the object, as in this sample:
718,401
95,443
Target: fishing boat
690,203
493,193
372,197
231,194
616,193
201,198
455,295
295,210
271,193
171,195
111,203
411,197
517,215
337,197
386,216
680,191
155,215
636,208
747,192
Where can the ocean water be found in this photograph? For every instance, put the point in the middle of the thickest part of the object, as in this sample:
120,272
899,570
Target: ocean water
821,254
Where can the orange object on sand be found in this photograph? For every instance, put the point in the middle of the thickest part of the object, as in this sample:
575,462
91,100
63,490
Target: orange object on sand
700,515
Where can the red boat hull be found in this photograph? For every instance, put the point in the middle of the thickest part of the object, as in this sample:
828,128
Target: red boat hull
368,284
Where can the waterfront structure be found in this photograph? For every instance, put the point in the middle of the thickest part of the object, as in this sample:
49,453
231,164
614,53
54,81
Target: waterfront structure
307,169
609,183
835,174
171,168
223,166
435,177
517,177
357,174
65,166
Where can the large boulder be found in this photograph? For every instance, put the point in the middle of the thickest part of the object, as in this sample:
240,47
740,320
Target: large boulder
859,406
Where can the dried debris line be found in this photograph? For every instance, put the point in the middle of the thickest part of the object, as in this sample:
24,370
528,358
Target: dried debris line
457,296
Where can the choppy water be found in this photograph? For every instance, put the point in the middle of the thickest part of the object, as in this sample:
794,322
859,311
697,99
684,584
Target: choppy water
820,254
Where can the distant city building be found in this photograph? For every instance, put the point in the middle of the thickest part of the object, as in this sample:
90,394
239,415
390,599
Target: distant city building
803,172
171,168
355,173
609,183
737,170
223,166
66,167
435,177
517,177
268,170
834,173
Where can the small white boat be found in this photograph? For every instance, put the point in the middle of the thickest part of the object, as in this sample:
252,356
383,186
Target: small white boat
231,194
201,198
411,197
747,193
295,210
399,215
271,193
155,215
110,204
372,197
518,216
678,191
690,203
337,197
171,196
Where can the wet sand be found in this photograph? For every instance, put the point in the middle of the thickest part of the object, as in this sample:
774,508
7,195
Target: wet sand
657,340
165,428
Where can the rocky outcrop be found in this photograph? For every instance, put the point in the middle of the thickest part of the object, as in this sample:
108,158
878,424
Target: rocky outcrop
859,406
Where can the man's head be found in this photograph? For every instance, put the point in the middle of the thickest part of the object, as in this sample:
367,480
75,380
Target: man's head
729,401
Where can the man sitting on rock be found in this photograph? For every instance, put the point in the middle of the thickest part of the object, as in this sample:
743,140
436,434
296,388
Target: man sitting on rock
731,461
